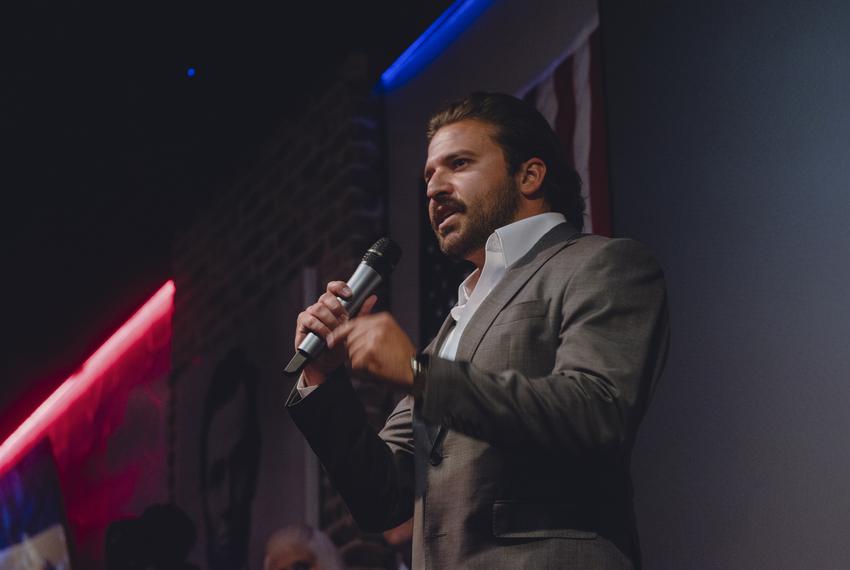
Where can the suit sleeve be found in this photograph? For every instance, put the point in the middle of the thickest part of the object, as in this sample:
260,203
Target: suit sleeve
612,342
372,472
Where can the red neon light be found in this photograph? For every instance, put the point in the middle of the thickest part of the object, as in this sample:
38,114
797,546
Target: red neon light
35,426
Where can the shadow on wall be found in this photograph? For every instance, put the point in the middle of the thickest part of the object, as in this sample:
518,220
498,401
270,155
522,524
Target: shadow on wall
230,457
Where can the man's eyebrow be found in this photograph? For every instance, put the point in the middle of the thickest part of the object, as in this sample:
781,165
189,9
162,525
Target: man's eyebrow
450,157
453,155
457,153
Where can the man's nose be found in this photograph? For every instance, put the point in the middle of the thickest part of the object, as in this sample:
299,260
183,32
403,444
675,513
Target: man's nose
437,185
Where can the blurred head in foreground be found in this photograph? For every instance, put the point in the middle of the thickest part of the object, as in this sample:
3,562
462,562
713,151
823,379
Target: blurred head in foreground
301,547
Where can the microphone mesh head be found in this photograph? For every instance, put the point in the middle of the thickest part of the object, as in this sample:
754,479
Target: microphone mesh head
383,256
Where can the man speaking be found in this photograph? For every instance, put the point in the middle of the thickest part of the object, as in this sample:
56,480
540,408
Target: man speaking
513,447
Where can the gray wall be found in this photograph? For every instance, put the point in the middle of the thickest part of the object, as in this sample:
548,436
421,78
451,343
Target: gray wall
730,156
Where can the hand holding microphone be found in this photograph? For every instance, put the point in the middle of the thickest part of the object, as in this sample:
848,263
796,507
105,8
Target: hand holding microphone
320,319
336,306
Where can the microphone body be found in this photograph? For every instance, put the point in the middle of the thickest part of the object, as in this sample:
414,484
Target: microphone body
377,264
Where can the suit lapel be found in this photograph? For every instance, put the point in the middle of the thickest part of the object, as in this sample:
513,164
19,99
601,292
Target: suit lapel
518,275
430,431
435,345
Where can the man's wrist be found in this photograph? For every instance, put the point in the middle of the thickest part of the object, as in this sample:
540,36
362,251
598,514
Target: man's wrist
313,377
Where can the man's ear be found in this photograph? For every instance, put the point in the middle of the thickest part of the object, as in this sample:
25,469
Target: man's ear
530,177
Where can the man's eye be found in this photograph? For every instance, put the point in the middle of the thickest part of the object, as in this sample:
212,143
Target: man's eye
459,162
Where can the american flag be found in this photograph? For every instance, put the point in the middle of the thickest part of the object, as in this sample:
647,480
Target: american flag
570,96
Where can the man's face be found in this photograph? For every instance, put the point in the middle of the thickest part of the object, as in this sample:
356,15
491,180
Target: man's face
470,191
227,507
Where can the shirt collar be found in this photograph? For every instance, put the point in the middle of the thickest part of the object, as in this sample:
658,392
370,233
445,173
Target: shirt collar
513,241
517,239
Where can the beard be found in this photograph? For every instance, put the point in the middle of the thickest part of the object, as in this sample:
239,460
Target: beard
479,218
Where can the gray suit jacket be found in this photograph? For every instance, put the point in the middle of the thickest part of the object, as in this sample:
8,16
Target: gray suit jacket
516,454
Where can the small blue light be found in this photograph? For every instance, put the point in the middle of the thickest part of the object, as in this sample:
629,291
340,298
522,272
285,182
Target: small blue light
190,72
427,47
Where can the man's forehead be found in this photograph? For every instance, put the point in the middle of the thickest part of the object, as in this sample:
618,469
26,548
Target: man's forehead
468,135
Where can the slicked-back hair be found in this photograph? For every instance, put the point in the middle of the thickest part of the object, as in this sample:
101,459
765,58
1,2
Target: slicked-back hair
522,133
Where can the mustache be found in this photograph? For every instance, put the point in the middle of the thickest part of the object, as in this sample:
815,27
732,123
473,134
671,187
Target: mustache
441,207
447,204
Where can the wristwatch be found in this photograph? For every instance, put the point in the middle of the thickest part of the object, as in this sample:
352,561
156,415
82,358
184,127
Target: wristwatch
419,365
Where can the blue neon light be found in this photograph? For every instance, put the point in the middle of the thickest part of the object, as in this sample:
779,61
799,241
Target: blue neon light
427,47
190,72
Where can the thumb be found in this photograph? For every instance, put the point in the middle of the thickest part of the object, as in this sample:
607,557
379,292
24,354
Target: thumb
368,305
339,334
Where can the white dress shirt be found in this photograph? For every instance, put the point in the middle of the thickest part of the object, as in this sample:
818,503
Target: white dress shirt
504,247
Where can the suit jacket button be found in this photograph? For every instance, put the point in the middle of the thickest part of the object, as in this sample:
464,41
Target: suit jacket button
435,459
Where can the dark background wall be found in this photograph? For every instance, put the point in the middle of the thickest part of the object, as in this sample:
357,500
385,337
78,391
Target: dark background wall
253,258
730,156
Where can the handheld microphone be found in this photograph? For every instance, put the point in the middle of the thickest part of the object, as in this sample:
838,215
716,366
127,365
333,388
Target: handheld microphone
377,264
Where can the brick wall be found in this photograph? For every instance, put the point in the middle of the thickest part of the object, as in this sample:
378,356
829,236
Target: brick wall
315,195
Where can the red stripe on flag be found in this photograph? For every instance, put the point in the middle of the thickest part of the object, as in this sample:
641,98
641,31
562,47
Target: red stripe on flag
565,122
598,183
